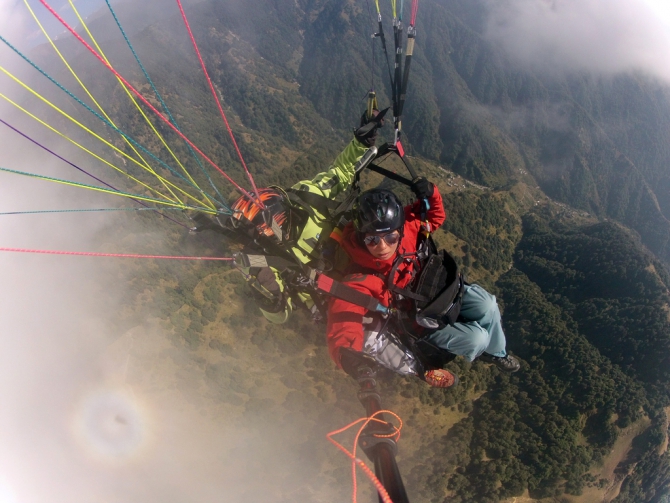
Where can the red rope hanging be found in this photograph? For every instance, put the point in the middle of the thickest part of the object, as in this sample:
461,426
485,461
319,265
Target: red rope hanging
218,103
357,462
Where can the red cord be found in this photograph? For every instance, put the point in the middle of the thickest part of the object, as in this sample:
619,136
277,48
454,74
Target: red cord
415,7
143,99
357,462
118,255
218,103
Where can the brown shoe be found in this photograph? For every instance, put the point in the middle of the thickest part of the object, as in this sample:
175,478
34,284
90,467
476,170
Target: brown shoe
440,378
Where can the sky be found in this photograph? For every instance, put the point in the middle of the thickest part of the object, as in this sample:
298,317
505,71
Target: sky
17,21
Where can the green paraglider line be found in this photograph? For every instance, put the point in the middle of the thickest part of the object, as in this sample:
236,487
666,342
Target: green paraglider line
165,107
104,190
147,103
109,124
84,171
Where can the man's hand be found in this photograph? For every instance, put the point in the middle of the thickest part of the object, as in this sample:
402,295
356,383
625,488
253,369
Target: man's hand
202,222
367,132
352,362
422,188
265,290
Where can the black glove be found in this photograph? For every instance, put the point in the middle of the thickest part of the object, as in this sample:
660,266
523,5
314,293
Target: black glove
355,362
265,290
367,132
202,222
422,188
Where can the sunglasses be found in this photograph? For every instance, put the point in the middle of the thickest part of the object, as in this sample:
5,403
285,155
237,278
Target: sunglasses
389,239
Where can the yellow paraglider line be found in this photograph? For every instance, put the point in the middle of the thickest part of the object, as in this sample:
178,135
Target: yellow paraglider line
84,148
130,96
116,149
106,191
74,74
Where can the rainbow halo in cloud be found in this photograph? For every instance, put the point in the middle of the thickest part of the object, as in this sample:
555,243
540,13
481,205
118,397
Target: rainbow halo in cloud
111,425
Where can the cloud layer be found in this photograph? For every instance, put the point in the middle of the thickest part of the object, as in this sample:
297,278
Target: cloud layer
602,36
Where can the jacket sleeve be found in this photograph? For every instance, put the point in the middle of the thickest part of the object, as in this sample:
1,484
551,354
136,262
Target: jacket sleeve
339,176
345,320
436,214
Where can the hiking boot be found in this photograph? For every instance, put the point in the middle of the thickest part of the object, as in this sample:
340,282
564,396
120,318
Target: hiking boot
506,363
440,378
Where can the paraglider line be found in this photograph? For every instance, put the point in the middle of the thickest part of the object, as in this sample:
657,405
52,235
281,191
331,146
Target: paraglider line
165,107
139,109
143,99
415,8
108,123
105,191
115,255
84,171
83,210
218,103
384,496
144,163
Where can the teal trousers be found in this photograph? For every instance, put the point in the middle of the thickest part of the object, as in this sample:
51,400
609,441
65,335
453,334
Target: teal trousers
481,332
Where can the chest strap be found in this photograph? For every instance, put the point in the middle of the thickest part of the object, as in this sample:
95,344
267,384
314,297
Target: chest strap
317,280
344,292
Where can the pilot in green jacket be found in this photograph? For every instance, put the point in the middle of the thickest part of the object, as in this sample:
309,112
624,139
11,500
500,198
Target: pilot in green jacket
295,227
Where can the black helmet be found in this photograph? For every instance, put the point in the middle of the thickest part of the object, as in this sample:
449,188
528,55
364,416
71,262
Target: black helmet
377,211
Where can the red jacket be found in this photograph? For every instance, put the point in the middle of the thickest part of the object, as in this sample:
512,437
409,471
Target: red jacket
345,327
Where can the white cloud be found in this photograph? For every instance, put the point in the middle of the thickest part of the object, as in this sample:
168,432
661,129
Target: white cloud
603,36
13,19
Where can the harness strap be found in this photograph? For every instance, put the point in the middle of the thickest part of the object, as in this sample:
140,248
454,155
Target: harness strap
341,291
321,203
409,294
391,278
321,281
390,174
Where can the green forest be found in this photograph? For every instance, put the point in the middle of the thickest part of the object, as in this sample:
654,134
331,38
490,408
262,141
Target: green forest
569,231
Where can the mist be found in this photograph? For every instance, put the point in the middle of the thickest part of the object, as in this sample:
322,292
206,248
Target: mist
91,412
602,37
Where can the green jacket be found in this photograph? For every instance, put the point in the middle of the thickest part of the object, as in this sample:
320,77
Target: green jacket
337,179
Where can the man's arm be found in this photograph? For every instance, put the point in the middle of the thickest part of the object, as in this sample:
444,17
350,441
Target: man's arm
435,214
339,176
341,173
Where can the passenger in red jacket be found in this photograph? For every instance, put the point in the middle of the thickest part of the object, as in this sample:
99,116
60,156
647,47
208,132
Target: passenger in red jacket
383,233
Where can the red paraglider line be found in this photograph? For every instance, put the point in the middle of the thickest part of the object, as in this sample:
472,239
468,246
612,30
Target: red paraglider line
116,255
216,98
415,8
143,99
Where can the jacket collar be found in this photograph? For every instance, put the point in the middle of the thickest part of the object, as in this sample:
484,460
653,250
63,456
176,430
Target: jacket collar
361,256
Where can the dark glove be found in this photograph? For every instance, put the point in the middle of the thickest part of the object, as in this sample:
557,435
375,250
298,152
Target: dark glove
202,222
422,188
355,362
367,132
265,290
